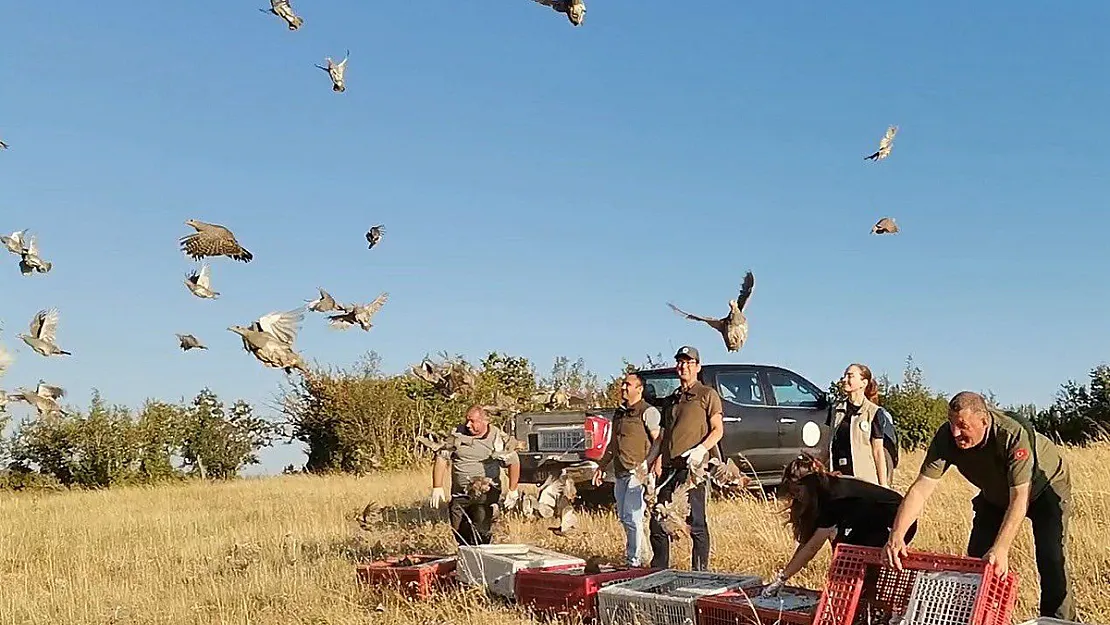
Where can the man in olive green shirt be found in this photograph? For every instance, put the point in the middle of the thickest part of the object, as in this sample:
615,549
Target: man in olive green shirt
1019,473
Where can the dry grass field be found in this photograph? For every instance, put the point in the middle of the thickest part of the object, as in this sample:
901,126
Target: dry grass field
282,550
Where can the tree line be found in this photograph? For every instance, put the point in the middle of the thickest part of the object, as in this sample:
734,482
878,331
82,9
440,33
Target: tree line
360,419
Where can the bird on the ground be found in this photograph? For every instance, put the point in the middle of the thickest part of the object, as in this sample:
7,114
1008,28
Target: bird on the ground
360,314
14,242
284,10
30,260
885,225
188,341
374,235
44,398
44,327
575,10
337,72
734,326
886,144
212,240
200,283
324,303
270,340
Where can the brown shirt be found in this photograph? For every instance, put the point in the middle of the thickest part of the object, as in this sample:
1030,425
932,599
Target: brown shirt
686,421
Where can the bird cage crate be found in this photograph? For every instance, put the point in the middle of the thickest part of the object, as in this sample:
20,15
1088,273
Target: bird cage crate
495,566
932,589
665,597
417,576
570,590
792,606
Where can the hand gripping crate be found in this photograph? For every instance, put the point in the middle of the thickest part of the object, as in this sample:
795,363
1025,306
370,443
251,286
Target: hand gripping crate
417,575
495,566
932,589
792,606
665,597
570,590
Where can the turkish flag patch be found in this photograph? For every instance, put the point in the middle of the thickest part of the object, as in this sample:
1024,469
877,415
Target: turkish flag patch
1020,453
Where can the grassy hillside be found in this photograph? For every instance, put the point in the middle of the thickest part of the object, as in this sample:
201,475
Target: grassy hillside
281,550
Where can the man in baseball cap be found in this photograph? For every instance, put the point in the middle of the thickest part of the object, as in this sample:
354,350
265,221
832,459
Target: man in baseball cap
694,424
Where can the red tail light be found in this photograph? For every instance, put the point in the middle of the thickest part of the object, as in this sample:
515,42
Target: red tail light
597,436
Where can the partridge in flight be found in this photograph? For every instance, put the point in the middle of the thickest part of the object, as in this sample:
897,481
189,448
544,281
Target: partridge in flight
213,240
734,326
886,144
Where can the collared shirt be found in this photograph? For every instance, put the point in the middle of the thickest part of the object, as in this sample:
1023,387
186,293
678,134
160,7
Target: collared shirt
1003,460
687,418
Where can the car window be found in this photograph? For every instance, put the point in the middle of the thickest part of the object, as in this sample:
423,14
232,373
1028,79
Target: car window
659,385
792,391
741,387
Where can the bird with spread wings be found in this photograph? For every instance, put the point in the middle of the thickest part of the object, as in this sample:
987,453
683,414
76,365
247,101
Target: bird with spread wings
733,326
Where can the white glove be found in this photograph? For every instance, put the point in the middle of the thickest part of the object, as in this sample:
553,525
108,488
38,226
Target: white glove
774,587
641,470
511,499
695,455
438,497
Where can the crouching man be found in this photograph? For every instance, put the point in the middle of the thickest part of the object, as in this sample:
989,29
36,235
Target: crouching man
1019,473
477,450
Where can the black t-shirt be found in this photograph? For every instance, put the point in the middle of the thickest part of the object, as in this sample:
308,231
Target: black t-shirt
862,512
842,442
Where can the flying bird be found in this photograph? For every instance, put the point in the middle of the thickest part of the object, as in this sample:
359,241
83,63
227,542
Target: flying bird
44,398
200,283
270,340
3,146
886,144
44,326
30,261
358,313
337,71
734,326
324,303
14,242
374,235
282,9
575,10
885,225
212,240
188,341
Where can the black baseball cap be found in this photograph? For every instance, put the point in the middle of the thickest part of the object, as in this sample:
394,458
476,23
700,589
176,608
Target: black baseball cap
687,351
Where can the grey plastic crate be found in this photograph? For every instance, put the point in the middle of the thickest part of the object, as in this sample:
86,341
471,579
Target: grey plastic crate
495,566
665,597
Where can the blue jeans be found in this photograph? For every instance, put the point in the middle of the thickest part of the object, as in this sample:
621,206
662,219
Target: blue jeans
630,510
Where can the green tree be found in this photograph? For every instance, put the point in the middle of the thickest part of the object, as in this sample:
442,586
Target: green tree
216,443
1080,413
918,410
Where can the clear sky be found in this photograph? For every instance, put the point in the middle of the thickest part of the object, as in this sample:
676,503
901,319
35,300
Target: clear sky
546,189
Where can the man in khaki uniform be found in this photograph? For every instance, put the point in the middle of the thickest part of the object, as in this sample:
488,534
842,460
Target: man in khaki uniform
632,448
477,449
1019,473
693,424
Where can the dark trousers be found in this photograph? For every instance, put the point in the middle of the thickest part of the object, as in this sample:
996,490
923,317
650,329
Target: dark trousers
472,519
699,529
1050,513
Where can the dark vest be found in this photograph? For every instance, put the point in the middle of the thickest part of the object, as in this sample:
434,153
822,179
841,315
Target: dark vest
630,436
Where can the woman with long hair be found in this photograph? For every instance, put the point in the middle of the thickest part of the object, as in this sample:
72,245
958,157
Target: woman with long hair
827,507
864,443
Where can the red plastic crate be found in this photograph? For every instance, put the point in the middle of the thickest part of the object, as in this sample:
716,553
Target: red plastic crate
418,577
860,583
735,608
566,590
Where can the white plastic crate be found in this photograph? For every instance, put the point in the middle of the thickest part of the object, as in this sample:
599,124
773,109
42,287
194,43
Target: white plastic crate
665,597
941,598
495,566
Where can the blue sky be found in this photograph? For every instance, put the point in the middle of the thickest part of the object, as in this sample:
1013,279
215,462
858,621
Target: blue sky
547,189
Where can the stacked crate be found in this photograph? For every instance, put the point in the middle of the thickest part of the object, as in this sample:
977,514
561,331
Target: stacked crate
667,597
570,590
495,566
932,589
417,575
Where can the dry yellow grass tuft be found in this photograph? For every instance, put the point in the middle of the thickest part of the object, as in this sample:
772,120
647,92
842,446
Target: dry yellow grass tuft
282,550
